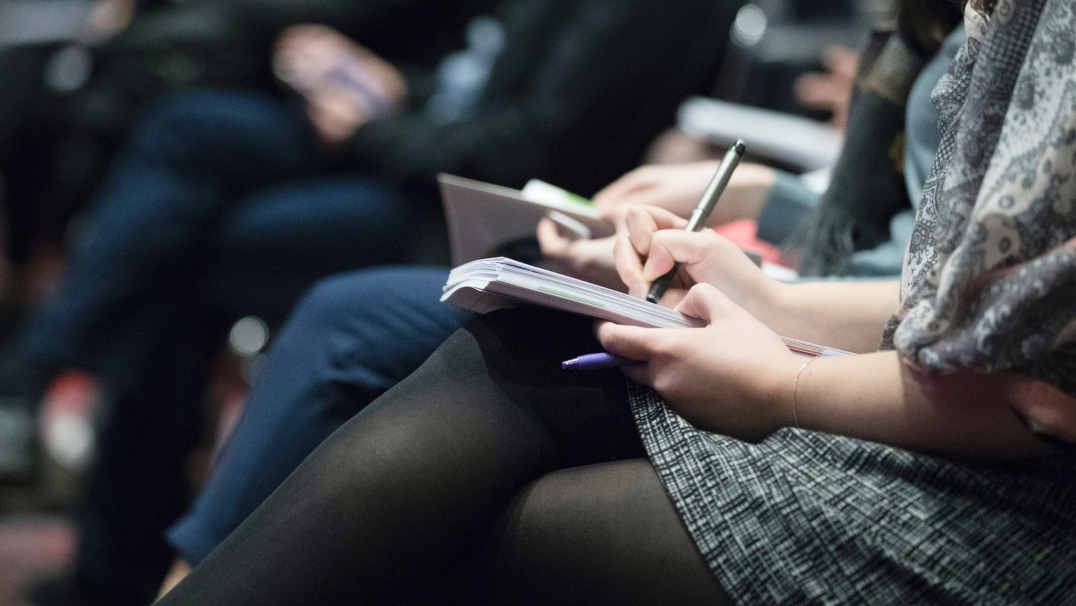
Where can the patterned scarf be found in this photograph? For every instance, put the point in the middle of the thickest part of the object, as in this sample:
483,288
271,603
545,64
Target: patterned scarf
989,280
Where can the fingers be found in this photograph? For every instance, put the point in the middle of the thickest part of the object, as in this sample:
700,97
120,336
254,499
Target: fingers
334,116
643,221
301,35
633,247
646,186
708,303
302,54
641,227
675,246
629,266
550,241
646,195
655,241
612,193
635,343
628,341
640,373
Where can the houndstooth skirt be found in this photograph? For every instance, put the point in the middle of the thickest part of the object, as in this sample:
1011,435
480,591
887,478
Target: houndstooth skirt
811,518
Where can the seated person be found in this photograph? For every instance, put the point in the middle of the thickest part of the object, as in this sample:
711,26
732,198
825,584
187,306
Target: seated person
229,203
356,335
728,470
82,73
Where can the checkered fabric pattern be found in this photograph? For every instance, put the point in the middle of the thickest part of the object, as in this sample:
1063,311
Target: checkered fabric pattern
812,518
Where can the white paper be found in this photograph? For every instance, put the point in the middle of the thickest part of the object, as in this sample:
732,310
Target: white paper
489,284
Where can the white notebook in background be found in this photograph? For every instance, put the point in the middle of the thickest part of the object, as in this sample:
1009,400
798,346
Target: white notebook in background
807,144
489,284
482,217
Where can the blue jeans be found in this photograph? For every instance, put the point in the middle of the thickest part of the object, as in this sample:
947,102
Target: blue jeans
351,338
226,187
221,206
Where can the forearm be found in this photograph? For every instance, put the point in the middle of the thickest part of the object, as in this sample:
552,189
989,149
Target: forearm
875,397
744,197
845,315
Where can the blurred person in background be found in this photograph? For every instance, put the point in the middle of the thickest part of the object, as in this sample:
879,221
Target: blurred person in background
356,335
78,74
229,202
492,466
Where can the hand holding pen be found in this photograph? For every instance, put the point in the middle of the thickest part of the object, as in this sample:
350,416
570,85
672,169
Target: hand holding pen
702,212
645,224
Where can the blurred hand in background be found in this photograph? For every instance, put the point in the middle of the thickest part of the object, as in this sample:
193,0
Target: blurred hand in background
343,83
830,90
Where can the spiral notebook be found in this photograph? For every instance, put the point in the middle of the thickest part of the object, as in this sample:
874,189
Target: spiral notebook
487,285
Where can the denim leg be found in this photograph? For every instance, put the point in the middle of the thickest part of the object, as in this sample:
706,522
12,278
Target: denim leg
352,337
285,237
273,247
193,157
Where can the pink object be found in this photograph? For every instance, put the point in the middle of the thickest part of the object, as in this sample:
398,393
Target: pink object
744,233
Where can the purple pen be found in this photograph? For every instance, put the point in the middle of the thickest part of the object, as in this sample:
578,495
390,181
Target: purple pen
597,361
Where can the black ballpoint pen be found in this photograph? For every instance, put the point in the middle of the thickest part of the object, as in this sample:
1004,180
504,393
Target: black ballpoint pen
702,211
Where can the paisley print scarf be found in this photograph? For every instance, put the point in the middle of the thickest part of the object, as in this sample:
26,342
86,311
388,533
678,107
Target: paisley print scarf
989,280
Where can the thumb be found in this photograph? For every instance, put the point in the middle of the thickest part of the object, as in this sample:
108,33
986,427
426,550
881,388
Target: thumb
630,342
549,239
707,303
670,246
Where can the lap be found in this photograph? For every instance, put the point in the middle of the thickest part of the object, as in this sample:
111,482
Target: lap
598,534
350,338
281,239
245,137
372,326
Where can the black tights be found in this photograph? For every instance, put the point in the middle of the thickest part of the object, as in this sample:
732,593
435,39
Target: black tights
488,476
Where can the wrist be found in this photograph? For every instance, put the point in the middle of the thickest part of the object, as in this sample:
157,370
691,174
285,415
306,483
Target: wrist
771,303
783,397
798,383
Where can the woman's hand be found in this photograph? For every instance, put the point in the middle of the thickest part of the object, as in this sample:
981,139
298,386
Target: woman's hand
843,315
590,260
655,239
344,84
734,376
678,187
109,17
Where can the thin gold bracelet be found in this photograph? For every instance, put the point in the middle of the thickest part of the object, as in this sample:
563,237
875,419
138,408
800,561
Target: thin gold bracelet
795,384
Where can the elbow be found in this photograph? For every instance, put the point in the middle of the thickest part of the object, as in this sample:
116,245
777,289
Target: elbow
1047,412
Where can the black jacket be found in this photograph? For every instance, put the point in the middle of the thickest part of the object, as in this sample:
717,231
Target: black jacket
578,93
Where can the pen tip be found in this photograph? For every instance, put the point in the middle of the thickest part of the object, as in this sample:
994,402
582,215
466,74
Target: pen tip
740,147
567,365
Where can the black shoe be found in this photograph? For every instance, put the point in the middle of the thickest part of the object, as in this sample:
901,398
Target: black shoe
19,454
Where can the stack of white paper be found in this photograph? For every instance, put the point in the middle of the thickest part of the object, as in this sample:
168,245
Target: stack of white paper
489,284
